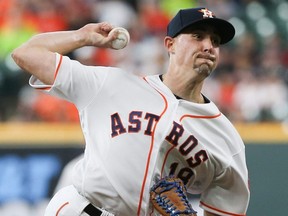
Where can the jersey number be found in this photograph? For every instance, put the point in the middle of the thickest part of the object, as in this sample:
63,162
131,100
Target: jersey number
184,173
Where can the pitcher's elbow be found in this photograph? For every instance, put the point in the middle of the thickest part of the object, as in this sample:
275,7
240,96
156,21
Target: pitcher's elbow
16,56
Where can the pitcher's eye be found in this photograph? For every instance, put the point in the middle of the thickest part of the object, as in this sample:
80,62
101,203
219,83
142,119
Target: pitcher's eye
216,41
196,36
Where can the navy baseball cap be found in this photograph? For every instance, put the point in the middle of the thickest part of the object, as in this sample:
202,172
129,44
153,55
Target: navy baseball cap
192,16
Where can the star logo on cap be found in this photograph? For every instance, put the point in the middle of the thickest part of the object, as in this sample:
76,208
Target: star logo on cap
207,13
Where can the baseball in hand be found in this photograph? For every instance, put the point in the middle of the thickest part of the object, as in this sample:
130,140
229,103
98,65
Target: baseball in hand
122,39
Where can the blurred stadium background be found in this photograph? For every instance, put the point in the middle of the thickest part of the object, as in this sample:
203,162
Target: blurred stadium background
39,134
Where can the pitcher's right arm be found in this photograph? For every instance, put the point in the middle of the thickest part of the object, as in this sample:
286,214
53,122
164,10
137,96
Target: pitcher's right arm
37,55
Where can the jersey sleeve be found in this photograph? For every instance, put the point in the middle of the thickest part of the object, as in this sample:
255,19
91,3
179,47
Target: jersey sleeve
73,81
228,195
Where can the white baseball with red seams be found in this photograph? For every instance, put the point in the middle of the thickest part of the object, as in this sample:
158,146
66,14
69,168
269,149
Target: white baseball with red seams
122,39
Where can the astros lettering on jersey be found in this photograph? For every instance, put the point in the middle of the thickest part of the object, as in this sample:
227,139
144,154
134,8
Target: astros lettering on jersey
137,131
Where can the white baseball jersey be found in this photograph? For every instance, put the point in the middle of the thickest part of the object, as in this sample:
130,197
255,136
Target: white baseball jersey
137,131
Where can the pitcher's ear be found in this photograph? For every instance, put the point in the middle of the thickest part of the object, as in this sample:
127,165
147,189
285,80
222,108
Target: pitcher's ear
169,44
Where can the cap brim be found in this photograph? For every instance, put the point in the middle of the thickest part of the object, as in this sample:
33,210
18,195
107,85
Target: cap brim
225,29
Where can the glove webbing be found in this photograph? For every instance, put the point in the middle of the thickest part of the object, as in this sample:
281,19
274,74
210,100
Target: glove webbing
165,203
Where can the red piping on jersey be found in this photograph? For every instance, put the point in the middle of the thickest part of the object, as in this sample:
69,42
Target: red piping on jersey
199,116
61,207
55,73
220,211
150,152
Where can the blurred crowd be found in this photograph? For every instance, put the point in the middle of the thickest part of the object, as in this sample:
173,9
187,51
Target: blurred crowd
250,84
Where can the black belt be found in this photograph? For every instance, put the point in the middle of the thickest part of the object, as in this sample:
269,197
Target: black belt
92,210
